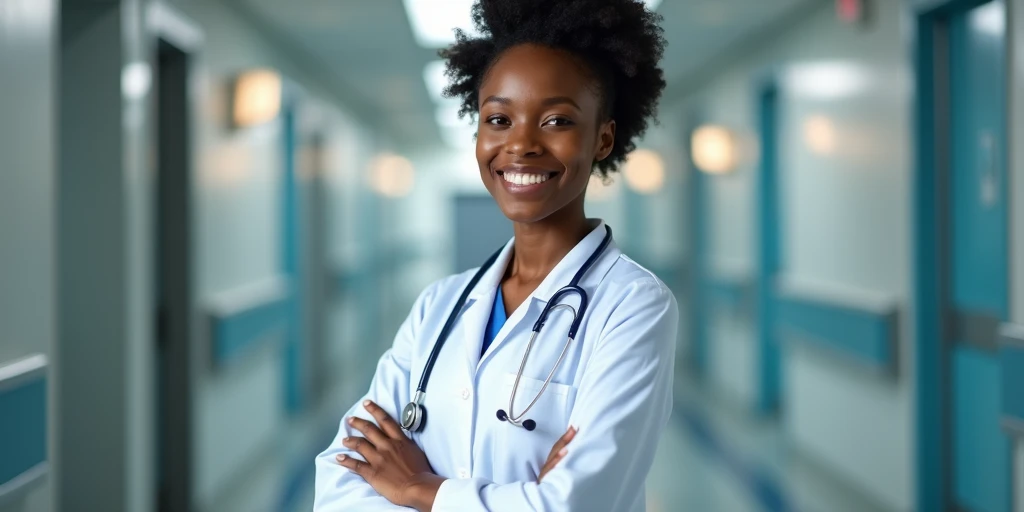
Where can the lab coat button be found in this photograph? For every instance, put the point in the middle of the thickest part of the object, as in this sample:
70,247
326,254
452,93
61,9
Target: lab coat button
463,474
466,393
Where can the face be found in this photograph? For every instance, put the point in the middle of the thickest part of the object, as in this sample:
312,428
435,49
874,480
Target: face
541,132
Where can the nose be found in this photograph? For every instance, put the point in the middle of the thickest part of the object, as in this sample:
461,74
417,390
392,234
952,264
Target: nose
523,142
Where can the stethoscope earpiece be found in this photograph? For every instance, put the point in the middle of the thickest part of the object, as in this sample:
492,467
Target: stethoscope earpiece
529,425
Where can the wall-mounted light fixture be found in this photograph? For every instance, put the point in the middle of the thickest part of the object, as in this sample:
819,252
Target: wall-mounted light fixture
256,97
820,134
714,149
392,175
644,171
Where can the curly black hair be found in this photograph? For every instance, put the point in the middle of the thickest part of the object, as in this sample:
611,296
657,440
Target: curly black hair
620,41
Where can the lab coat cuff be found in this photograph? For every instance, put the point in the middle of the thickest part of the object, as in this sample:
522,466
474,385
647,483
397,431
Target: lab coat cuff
448,495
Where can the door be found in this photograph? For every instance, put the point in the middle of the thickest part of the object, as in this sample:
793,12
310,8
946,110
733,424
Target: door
978,254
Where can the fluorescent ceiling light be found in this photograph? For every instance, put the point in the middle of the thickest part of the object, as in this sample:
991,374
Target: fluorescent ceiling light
827,80
434,21
433,76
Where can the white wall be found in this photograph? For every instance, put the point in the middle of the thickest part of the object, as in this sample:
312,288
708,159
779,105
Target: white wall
845,226
27,194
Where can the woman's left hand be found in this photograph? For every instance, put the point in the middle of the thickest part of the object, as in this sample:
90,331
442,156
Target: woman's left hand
395,466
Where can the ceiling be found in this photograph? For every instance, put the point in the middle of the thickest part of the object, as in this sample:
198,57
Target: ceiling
369,47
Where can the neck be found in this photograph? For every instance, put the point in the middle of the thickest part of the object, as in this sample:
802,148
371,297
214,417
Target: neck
539,246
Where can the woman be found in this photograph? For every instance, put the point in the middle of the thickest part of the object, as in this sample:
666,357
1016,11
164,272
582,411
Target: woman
562,90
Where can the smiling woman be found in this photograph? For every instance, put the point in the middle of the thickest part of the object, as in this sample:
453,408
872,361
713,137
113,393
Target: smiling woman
555,357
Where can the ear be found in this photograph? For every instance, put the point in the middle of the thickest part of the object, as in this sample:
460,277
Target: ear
605,140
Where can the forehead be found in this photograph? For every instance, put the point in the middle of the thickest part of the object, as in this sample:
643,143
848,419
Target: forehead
532,72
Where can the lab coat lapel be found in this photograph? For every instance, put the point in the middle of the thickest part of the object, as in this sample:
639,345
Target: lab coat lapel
559,277
478,308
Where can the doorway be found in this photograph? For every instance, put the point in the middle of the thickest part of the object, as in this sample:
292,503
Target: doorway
961,256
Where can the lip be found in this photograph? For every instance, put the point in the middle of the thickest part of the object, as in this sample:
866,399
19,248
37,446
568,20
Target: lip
521,190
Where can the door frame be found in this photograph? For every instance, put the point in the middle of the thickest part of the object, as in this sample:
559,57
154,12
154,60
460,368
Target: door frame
768,247
697,201
167,26
933,459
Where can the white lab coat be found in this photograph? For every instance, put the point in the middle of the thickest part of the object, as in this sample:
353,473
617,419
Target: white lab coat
615,384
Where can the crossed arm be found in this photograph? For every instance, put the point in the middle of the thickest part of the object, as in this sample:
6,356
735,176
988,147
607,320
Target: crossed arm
398,469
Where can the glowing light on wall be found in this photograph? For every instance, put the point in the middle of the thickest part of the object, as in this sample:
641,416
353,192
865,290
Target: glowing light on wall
644,171
820,135
257,97
714,149
392,175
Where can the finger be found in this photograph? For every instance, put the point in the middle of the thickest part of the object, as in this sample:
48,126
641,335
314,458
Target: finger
354,465
369,430
362,447
563,441
386,422
552,462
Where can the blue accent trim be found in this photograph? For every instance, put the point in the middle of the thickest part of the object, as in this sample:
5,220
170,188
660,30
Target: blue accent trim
758,481
769,247
236,334
865,336
22,427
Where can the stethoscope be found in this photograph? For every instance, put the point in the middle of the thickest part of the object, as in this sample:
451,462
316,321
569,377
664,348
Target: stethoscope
414,415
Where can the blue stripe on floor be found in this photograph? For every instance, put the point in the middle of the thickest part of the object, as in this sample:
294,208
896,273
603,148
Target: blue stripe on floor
758,481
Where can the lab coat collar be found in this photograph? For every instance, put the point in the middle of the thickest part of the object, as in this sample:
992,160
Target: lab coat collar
559,276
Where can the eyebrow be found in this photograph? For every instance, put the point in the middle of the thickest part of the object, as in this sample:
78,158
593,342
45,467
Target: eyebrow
557,100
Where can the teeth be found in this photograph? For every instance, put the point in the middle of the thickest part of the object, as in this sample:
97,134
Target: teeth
524,178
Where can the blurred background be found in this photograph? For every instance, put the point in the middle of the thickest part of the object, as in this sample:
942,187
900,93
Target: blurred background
214,214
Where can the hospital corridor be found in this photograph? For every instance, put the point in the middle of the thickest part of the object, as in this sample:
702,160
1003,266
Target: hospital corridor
798,285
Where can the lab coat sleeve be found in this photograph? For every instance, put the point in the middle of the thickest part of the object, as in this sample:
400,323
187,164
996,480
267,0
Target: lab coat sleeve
624,402
338,489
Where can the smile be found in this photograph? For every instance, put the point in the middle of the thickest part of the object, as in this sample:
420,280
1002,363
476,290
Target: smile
522,178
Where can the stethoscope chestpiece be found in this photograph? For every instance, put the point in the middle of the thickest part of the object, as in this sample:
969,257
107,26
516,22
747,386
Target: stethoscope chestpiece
414,415
527,424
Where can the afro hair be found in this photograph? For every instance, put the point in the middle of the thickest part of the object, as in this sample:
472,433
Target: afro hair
620,41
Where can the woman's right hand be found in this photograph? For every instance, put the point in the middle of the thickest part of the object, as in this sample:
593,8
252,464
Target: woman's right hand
557,452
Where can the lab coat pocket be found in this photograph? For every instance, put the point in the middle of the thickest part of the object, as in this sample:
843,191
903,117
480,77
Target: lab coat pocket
550,412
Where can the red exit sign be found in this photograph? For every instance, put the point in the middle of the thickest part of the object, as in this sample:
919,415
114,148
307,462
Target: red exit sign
851,11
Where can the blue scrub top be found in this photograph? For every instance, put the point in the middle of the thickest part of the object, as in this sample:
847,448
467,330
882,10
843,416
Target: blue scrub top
495,322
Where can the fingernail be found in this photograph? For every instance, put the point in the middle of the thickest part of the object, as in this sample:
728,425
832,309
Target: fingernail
351,421
340,457
575,428
366,403
562,452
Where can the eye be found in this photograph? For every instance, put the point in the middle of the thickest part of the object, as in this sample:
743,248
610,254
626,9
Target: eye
559,121
497,120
